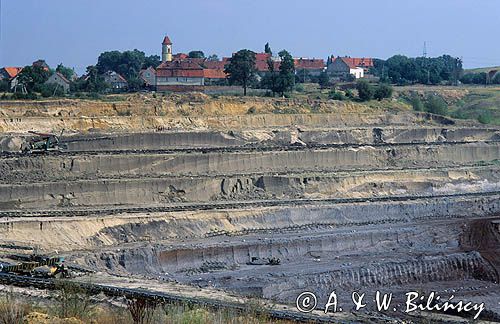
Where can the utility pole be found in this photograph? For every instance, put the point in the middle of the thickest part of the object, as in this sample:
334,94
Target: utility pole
424,62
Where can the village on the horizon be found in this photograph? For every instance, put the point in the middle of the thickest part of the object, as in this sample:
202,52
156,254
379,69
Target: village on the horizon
180,72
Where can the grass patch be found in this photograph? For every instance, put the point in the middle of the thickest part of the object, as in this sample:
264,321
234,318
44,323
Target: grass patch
481,104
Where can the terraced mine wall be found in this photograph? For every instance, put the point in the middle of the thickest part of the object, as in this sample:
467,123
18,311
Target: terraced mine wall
21,124
262,205
93,232
454,267
263,138
172,189
366,157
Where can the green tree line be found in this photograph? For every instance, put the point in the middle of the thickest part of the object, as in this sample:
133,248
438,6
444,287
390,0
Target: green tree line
402,70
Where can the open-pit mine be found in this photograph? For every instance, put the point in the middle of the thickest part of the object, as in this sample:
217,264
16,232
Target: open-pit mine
232,207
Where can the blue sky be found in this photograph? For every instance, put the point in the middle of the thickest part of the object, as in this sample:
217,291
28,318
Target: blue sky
74,32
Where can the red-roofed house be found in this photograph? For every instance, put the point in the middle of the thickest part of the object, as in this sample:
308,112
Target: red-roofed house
214,75
261,64
312,66
9,72
213,71
215,65
180,75
349,65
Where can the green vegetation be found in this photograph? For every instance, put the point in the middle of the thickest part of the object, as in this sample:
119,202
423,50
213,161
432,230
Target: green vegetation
13,310
349,94
286,78
383,91
32,77
241,69
480,78
213,57
93,83
416,103
402,70
4,86
475,78
51,90
436,105
77,306
335,95
324,80
365,90
280,81
66,71
267,49
196,54
127,63
481,104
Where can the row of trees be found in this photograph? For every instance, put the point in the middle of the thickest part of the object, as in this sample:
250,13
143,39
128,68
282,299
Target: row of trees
400,69
480,78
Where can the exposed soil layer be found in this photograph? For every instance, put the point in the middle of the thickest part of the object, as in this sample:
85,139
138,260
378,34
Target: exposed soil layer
365,200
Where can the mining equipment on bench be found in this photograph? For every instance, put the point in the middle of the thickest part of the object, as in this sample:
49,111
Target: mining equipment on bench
43,142
37,266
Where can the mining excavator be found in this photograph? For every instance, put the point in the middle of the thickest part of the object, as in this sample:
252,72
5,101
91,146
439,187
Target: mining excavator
41,267
43,142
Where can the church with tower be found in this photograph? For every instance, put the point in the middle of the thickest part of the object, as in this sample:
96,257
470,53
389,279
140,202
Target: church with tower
178,72
166,50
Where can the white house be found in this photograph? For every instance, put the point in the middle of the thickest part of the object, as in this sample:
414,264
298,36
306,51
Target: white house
348,65
357,72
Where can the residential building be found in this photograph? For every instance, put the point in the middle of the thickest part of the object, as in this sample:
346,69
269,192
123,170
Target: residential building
310,66
262,63
148,77
9,72
115,80
180,75
348,65
60,80
213,72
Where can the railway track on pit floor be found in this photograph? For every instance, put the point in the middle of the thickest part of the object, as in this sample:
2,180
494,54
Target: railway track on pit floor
103,211
235,149
159,297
